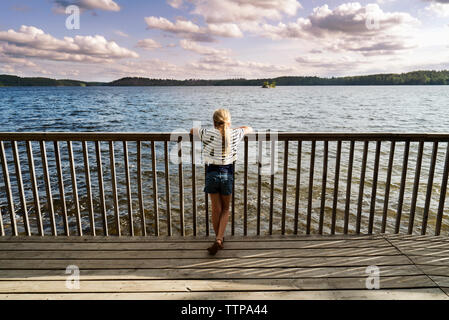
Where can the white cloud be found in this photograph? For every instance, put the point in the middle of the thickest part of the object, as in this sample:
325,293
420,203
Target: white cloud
352,27
188,29
121,33
440,9
237,11
149,44
175,3
30,41
203,50
106,5
227,65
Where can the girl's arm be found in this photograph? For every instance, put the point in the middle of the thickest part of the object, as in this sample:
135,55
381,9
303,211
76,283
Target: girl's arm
246,129
194,131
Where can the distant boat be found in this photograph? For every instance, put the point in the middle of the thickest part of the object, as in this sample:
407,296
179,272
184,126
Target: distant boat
267,85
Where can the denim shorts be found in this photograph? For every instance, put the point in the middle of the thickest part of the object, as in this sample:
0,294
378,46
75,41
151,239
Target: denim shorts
219,181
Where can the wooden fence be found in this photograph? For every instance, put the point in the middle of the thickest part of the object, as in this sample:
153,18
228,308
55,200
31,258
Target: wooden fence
17,149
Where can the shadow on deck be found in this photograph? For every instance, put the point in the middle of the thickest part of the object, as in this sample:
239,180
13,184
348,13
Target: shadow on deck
273,267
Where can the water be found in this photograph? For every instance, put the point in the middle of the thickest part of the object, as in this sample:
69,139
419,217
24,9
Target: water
166,109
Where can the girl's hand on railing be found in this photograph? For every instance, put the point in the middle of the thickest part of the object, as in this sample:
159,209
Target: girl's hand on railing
246,129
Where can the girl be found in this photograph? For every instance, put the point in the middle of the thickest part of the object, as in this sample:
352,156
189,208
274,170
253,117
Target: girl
220,146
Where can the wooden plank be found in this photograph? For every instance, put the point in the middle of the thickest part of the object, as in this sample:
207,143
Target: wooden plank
402,186
429,187
203,238
337,244
194,205
348,188
435,270
429,260
101,187
392,294
233,200
284,187
196,253
240,238
272,168
411,219
311,172
361,187
2,228
374,188
209,273
76,203
167,188
206,201
12,211
90,204
245,188
23,202
216,262
298,185
143,226
165,136
388,185
155,192
323,186
336,182
213,285
50,206
181,188
259,183
61,188
114,188
442,193
128,189
32,171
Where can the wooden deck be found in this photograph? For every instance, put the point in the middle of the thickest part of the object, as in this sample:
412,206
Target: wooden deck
275,267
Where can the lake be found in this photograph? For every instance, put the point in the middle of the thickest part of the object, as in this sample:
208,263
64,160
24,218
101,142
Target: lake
299,109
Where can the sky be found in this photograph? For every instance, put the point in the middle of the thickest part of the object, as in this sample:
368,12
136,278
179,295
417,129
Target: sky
221,39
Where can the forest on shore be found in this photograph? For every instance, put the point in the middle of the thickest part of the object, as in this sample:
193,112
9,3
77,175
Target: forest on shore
409,78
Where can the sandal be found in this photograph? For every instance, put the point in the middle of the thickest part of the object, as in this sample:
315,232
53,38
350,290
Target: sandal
214,248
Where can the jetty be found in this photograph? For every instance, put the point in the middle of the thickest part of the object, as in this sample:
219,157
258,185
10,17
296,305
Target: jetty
95,216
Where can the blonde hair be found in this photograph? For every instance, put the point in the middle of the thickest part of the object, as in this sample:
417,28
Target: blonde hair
222,121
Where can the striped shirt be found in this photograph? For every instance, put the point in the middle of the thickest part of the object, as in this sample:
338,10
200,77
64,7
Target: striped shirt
213,145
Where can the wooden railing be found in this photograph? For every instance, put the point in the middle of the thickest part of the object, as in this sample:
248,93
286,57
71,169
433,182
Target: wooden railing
280,201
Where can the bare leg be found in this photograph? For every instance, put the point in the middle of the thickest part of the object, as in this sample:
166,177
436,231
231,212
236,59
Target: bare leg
224,217
216,210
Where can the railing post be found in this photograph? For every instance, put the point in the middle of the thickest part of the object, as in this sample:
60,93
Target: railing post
88,187
8,190
298,185
336,182
361,187
323,186
348,187
114,188
61,188
155,192
101,187
181,187
19,178
374,188
411,220
387,186
312,169
167,188
37,207
139,189
442,193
